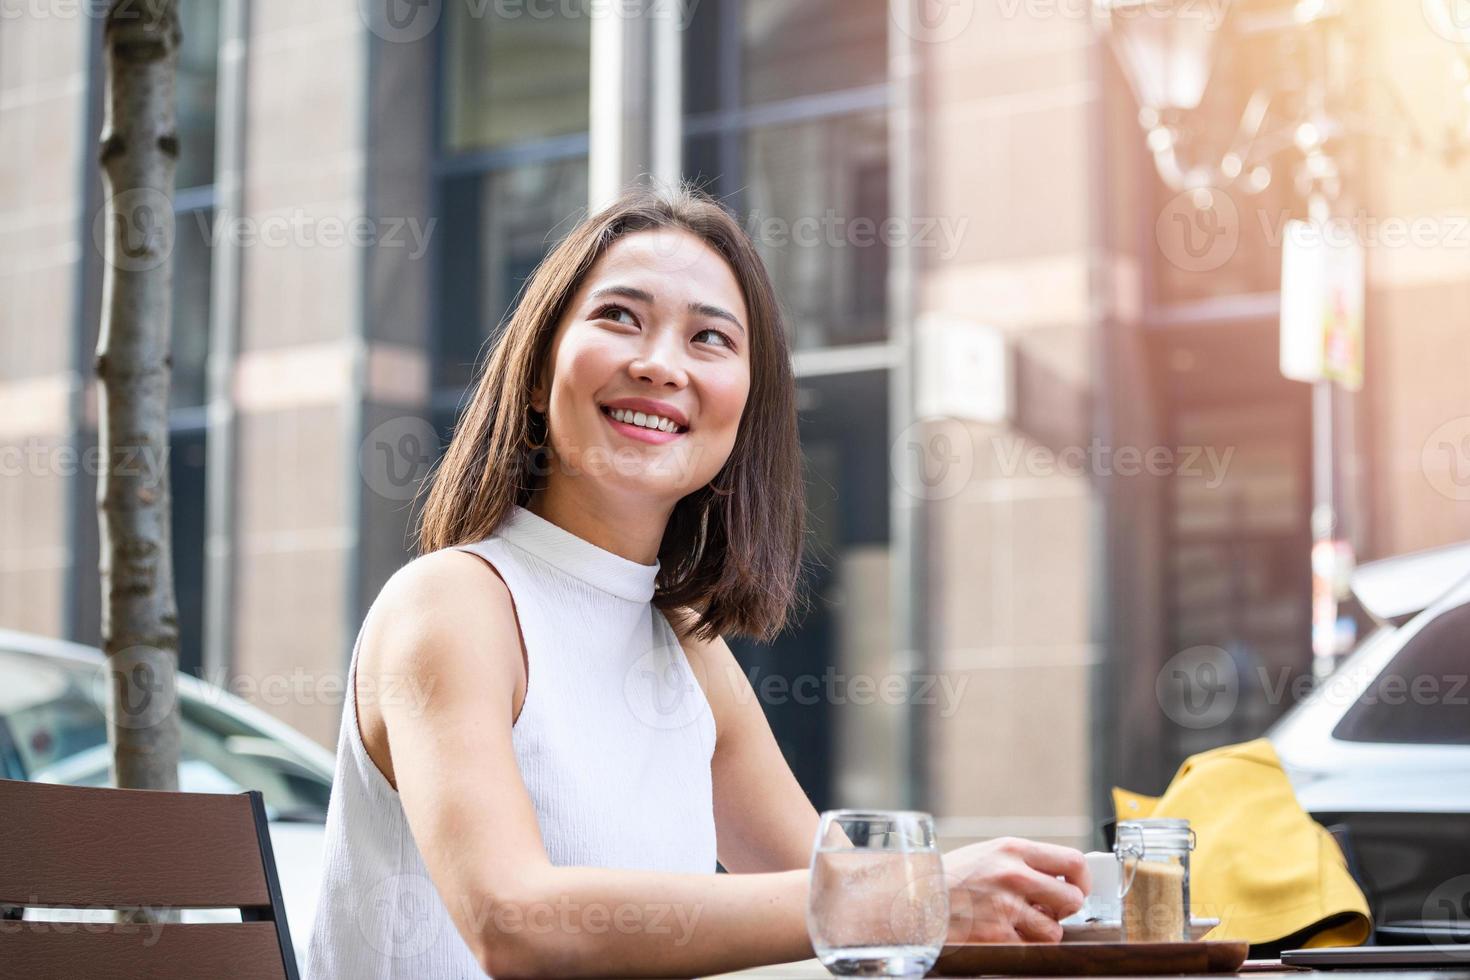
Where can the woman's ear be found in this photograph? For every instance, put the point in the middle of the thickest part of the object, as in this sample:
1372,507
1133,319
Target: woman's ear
540,400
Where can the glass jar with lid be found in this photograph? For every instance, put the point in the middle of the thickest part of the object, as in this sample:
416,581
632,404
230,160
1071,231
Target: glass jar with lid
1153,878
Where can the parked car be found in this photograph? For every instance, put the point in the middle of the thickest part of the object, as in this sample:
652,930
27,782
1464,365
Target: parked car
1382,746
53,730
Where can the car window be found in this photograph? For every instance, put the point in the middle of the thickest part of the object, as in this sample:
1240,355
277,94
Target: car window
1423,695
55,725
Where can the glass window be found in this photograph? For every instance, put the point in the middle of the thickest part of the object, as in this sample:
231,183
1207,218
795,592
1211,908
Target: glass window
187,460
1423,696
752,52
197,74
496,228
815,199
189,338
803,47
515,73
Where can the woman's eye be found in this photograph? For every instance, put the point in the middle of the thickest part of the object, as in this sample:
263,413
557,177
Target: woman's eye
608,313
725,338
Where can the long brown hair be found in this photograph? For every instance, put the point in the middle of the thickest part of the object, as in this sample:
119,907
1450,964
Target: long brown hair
732,551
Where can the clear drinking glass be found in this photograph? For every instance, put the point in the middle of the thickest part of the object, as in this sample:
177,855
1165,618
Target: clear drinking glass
879,904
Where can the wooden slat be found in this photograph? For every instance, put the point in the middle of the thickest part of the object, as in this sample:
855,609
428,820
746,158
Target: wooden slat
91,847
69,950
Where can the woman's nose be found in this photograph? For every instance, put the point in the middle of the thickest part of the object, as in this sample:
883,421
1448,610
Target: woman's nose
660,362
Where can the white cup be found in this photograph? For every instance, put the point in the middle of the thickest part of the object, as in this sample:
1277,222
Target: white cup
1102,903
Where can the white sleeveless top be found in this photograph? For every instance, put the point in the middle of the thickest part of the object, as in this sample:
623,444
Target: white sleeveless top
614,741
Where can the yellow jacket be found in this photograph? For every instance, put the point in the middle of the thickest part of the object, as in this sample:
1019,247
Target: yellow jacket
1261,864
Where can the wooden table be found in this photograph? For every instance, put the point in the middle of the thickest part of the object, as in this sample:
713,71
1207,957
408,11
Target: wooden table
813,970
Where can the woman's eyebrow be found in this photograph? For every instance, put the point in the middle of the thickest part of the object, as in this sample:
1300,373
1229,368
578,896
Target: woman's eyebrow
644,296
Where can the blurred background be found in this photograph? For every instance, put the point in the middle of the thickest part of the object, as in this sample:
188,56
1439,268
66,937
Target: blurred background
1072,440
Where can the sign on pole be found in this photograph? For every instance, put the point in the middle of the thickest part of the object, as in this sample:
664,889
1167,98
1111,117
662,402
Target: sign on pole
1322,299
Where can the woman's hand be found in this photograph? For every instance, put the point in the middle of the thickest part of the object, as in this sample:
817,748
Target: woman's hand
1006,890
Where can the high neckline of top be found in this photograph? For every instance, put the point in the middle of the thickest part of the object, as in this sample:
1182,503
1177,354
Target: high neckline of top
578,557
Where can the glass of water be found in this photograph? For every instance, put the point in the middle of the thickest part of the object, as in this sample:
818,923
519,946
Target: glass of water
879,904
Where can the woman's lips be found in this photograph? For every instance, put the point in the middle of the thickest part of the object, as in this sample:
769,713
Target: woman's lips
654,436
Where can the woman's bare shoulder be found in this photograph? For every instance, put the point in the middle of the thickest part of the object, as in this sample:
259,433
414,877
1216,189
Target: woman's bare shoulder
436,599
446,620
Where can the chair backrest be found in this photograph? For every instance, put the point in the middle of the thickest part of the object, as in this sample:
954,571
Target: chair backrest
84,847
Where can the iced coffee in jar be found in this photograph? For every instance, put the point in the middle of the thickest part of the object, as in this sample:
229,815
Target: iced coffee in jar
1153,879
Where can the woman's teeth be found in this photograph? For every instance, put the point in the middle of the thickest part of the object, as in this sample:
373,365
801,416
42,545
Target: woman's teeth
643,419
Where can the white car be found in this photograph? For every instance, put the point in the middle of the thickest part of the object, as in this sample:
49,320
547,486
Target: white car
1381,749
53,730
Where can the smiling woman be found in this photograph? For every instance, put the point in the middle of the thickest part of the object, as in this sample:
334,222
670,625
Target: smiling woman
624,488
659,304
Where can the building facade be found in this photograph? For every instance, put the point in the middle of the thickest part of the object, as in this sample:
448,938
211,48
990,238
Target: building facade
364,187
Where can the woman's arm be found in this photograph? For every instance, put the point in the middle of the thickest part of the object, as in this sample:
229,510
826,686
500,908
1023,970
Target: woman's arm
763,819
447,622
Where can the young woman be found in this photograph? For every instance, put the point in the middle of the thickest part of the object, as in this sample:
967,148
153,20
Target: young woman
547,743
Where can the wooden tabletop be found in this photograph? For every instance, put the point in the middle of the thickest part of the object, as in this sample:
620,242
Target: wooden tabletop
812,970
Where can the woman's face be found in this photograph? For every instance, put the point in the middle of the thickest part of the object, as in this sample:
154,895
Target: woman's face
658,327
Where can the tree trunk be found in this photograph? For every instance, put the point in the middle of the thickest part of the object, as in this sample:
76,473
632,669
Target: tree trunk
138,151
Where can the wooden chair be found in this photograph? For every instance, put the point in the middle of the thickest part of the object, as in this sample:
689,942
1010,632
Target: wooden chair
83,847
